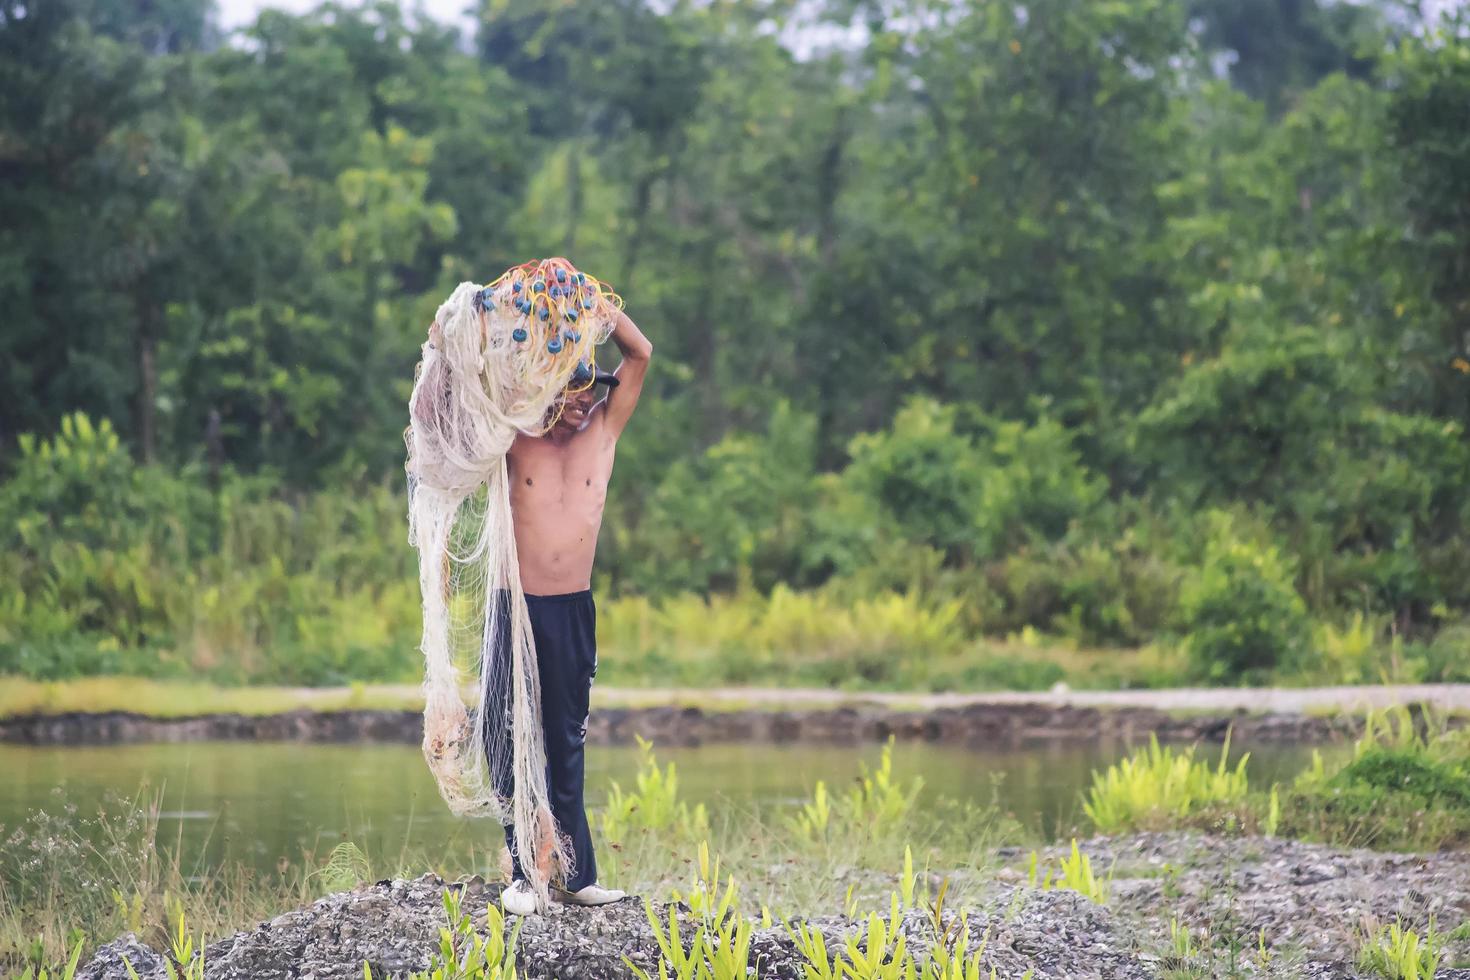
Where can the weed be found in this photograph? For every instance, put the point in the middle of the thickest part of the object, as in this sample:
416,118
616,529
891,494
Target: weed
182,963
1396,953
63,973
653,805
345,867
1263,952
818,963
1158,787
955,960
704,897
877,801
1181,941
1078,876
463,953
718,950
877,805
880,950
1170,886
815,816
1073,872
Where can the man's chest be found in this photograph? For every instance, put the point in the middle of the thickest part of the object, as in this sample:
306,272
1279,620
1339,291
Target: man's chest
567,476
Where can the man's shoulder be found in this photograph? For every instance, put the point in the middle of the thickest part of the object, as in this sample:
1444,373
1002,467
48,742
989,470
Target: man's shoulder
525,446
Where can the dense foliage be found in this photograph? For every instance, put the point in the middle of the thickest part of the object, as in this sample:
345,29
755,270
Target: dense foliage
1117,323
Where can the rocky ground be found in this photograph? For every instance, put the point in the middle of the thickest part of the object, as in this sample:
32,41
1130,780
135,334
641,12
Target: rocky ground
1305,905
1253,907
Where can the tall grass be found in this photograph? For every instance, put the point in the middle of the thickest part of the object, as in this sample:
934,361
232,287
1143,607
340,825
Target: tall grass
117,569
113,568
66,875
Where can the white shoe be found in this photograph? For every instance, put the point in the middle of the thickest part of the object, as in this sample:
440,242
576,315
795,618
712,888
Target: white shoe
591,895
518,899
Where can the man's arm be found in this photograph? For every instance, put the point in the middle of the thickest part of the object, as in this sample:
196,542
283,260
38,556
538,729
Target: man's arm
636,350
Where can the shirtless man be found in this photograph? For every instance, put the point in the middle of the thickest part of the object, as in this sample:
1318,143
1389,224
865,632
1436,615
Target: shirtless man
558,490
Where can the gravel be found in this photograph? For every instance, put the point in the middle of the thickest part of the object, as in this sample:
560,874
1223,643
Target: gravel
1304,904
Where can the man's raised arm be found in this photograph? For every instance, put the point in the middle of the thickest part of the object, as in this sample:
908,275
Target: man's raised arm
636,350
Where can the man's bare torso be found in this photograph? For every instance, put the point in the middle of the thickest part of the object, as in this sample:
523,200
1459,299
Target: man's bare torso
558,482
558,488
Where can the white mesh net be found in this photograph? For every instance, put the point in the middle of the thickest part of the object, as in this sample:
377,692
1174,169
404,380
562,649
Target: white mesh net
500,360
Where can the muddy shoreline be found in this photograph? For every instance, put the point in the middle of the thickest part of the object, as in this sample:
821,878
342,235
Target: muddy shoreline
987,724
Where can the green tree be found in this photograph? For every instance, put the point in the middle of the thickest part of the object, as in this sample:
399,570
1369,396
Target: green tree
1279,49
1429,131
1003,250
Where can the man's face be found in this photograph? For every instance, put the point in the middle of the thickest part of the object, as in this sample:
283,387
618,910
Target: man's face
575,406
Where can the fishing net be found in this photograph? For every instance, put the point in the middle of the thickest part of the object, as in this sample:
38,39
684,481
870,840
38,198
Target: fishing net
497,366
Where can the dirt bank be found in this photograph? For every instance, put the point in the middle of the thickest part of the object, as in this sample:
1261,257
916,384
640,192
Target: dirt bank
686,717
1011,723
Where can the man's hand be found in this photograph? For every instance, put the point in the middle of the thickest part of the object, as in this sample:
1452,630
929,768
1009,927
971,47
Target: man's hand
636,350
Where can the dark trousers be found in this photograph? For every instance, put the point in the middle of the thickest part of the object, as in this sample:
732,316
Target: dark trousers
564,628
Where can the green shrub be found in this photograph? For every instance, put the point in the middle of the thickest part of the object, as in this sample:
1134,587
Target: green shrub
736,515
1442,659
1240,611
1092,590
1407,786
970,492
1408,771
116,568
924,475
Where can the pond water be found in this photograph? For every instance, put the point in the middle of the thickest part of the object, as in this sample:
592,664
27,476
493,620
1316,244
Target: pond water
261,802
